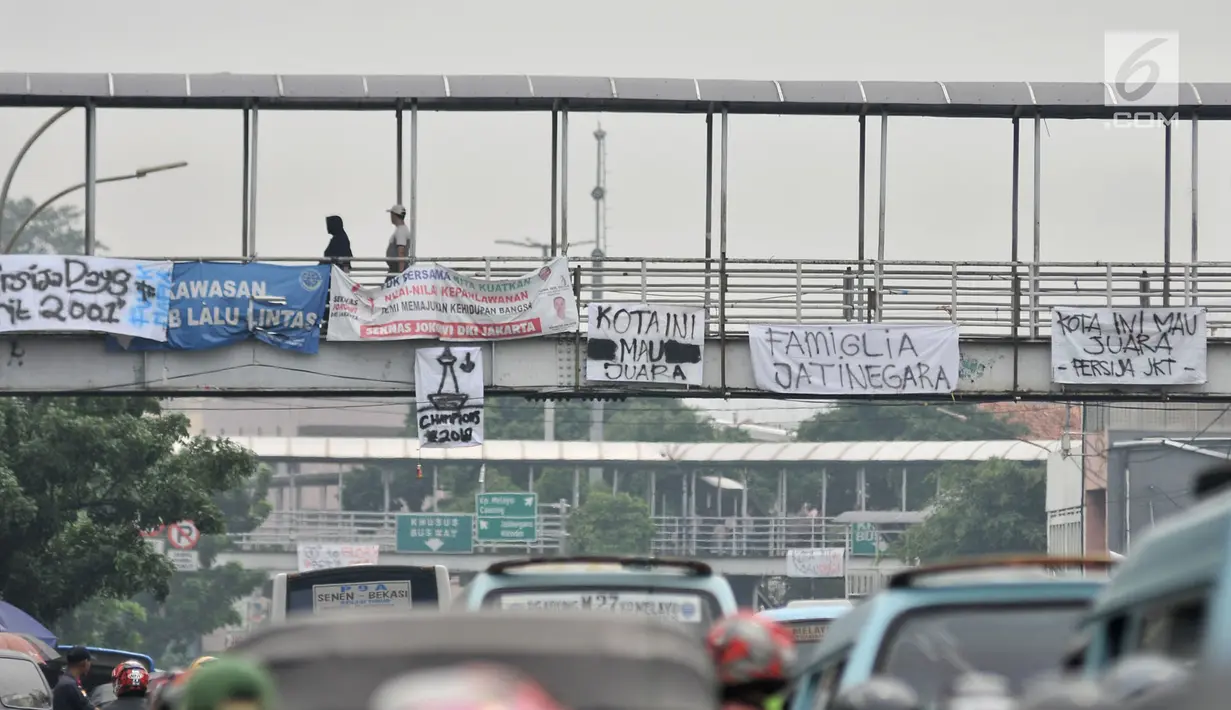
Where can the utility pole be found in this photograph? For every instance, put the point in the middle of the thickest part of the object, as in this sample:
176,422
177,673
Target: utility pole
599,193
549,406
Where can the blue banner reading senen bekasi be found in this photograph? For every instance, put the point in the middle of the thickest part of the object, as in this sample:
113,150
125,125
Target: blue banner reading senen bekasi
216,304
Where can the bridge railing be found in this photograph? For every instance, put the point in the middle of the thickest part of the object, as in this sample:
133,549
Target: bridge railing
284,530
986,298
673,536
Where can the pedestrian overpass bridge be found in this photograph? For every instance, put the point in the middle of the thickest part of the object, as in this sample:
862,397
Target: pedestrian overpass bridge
1002,308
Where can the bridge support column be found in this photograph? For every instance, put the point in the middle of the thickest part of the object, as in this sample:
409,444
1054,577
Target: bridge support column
247,182
91,176
413,207
1192,281
1038,233
1167,214
398,170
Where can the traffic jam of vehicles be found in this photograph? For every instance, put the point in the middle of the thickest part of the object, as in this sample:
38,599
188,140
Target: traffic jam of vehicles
605,632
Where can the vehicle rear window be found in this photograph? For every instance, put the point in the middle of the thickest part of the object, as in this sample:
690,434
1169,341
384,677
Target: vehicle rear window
22,685
350,586
690,607
930,649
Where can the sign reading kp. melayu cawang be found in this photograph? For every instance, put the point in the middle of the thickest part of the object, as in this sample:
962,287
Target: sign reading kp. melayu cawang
864,359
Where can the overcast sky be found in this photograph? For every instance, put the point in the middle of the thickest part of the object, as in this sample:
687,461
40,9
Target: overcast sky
485,177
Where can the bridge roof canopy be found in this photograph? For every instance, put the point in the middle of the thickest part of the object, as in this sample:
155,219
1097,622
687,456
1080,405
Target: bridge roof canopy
645,453
1004,99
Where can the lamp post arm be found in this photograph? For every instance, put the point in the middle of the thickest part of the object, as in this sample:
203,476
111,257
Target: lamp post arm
8,179
8,248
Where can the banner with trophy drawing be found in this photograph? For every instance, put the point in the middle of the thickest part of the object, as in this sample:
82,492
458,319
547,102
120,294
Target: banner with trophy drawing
449,396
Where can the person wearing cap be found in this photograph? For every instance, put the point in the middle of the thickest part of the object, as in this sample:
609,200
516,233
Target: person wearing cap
68,693
229,684
401,249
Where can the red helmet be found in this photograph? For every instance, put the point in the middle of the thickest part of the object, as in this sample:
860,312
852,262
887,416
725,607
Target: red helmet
124,665
748,648
130,680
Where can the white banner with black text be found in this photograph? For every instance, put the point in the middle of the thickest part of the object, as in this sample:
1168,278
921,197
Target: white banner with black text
1128,346
644,342
449,396
864,359
44,292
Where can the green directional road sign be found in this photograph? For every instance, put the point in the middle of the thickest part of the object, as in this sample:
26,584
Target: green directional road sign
432,533
507,517
865,540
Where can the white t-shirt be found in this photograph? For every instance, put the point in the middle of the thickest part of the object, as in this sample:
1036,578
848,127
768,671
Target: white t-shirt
401,237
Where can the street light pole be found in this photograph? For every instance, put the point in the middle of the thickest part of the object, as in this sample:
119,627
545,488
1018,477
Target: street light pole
21,154
136,175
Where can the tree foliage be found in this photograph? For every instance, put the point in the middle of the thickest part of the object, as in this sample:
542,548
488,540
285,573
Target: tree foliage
996,506
197,604
81,477
610,524
54,231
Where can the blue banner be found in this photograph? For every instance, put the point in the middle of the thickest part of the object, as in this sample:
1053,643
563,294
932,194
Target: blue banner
214,304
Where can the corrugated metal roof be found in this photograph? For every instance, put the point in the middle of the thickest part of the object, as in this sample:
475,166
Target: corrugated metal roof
520,92
360,449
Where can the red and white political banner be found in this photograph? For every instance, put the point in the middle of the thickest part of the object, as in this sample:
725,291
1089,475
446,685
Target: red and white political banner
429,301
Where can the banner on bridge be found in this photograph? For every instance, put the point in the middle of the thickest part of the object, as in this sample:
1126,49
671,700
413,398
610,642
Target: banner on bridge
816,563
214,304
43,292
324,555
1128,346
433,301
449,396
644,342
872,359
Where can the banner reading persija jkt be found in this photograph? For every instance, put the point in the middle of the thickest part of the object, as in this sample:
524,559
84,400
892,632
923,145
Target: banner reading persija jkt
432,301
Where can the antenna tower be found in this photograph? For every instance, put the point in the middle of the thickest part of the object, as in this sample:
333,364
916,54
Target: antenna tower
599,193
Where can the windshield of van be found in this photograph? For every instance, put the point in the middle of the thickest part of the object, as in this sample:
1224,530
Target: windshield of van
689,607
22,685
357,589
930,649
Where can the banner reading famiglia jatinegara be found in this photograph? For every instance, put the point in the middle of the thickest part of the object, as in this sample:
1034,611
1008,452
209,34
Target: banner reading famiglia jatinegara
432,301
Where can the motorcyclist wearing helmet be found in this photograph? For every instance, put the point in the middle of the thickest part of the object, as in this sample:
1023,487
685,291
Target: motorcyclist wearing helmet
131,684
754,657
468,687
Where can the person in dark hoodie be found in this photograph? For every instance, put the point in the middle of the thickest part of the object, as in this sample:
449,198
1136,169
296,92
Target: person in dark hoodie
339,244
